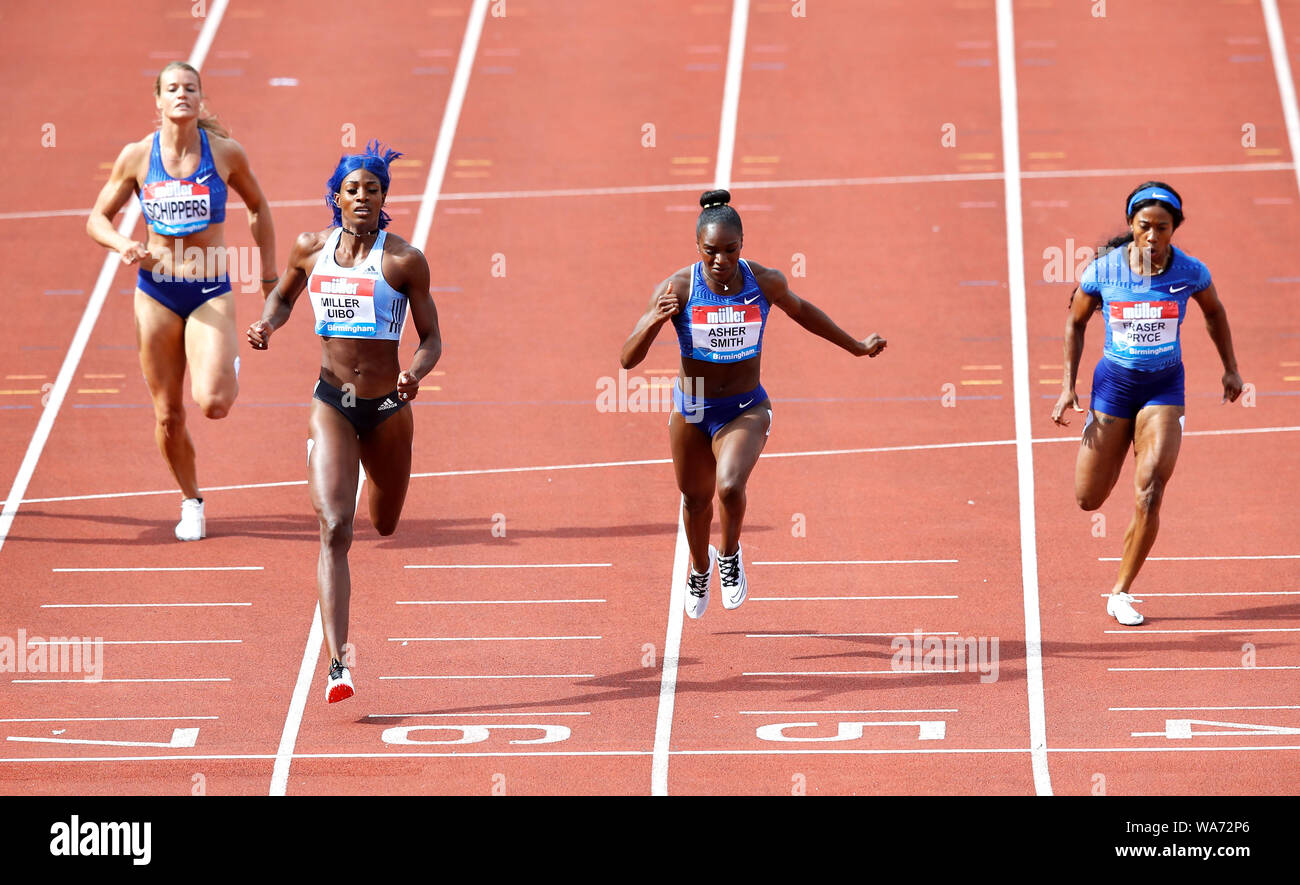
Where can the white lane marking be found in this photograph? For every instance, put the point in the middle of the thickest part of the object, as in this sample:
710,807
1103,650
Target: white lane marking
836,635
824,712
852,672
1182,669
67,371
522,565
181,737
545,468
1237,630
113,719
450,119
492,601
853,562
836,598
1023,416
1263,707
638,189
731,93
170,568
1285,83
1202,558
485,638
134,679
1225,593
473,715
145,604
672,654
137,641
503,676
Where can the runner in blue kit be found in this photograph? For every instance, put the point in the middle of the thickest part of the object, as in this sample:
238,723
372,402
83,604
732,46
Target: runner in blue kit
1141,284
722,416
362,282
184,309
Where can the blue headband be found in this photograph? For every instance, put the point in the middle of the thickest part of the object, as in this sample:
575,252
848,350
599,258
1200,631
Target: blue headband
1153,193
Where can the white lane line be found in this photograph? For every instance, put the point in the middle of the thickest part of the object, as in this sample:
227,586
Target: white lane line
503,676
1225,593
521,565
1023,416
836,712
170,568
476,715
1282,71
946,751
1264,707
852,672
113,719
681,550
672,654
492,601
140,679
1182,669
136,641
89,316
639,189
486,638
854,562
1237,630
419,239
302,686
596,465
837,635
1201,558
731,93
145,604
450,119
836,598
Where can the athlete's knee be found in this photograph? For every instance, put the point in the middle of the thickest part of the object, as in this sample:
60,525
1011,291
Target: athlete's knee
1149,494
1089,500
215,404
335,532
387,526
696,504
731,490
170,419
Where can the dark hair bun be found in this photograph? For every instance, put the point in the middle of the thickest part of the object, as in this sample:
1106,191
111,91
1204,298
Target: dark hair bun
709,198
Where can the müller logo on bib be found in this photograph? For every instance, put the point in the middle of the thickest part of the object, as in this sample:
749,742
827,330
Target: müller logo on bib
1144,310
343,305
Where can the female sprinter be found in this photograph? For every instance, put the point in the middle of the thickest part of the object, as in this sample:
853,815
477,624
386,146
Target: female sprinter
184,309
722,415
361,281
1141,285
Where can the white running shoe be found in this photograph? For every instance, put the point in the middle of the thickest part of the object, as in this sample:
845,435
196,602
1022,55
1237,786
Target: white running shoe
1120,607
192,526
339,685
735,588
697,586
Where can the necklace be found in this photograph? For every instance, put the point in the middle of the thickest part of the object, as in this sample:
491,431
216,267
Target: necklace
357,235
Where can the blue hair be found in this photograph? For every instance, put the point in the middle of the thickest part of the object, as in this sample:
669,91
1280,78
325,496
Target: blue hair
376,159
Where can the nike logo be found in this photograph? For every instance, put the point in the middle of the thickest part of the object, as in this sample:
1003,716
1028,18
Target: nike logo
203,178
207,291
1173,289
755,298
387,404
745,405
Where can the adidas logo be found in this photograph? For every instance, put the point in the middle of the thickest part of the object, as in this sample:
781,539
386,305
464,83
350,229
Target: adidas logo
387,404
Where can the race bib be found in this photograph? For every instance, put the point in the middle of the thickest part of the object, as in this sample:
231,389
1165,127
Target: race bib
344,306
1146,328
176,208
726,332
